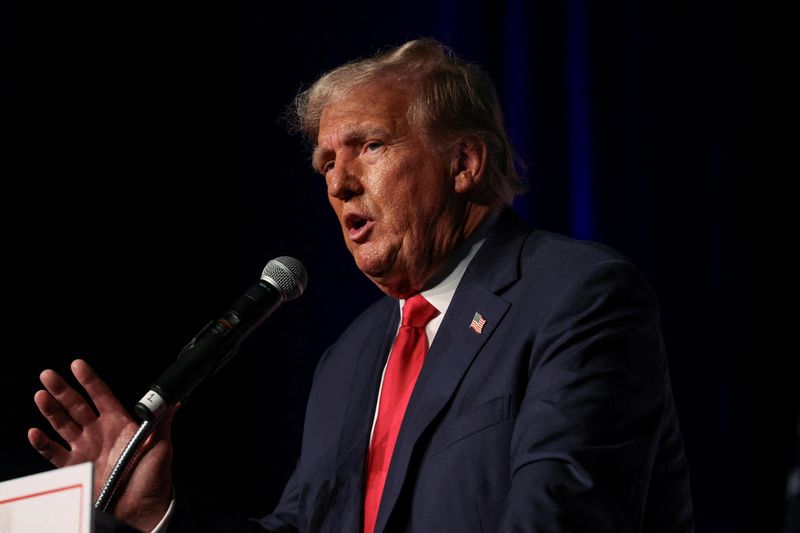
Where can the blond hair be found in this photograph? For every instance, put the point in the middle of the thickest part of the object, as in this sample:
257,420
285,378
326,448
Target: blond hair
452,100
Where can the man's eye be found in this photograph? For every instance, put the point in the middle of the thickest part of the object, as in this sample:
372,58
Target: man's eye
327,167
373,146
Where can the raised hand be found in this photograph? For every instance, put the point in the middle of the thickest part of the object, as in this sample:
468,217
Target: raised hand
100,436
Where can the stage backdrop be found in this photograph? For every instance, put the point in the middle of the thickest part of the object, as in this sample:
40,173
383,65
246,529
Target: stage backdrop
148,177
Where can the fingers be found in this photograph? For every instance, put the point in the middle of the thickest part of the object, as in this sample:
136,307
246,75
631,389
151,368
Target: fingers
50,450
57,416
99,392
72,403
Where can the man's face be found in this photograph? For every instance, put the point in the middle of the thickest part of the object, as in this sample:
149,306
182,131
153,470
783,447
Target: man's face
392,192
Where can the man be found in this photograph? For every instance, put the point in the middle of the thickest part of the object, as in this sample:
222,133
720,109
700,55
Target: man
532,396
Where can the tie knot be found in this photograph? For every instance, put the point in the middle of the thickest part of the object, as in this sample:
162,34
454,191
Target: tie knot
417,312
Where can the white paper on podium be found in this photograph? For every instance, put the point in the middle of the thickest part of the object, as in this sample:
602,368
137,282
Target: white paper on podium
58,501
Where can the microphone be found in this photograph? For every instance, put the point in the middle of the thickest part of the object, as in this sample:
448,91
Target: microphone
283,279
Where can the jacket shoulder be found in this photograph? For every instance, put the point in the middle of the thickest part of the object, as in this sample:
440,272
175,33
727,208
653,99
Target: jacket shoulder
555,250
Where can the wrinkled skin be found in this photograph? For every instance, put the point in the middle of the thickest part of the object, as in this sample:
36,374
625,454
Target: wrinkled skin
403,205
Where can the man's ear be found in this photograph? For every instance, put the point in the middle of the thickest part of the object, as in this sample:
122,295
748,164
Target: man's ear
469,165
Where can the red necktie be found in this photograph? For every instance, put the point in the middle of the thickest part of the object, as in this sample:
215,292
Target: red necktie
402,370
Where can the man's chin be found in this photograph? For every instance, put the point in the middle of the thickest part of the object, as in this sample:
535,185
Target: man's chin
377,276
392,283
371,262
383,271
387,281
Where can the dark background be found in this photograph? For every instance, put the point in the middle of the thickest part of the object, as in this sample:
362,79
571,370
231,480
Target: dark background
147,178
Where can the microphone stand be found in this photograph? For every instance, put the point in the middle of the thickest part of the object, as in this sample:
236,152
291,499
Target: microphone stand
125,464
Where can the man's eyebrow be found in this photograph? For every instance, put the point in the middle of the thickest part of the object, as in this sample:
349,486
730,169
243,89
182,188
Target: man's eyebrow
316,158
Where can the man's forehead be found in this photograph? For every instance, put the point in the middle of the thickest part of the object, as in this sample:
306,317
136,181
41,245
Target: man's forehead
355,130
354,117
377,101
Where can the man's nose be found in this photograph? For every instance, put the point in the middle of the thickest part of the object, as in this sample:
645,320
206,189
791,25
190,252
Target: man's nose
343,182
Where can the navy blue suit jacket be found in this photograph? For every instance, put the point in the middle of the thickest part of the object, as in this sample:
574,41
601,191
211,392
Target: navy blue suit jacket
558,417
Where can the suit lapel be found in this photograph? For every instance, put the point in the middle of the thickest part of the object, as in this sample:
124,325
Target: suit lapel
455,346
378,334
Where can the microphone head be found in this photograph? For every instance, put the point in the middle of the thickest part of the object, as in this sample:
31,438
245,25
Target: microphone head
286,274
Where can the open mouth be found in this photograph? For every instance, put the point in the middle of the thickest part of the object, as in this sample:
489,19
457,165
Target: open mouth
357,225
355,221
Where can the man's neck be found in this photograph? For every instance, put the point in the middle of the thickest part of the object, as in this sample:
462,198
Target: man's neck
466,248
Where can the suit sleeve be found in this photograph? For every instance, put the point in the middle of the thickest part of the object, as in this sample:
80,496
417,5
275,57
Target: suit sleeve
590,422
191,515
195,514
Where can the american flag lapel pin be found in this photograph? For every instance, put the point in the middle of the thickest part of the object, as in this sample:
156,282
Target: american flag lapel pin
477,323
